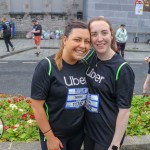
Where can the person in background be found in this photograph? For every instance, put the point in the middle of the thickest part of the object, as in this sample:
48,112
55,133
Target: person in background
147,80
7,31
37,31
59,90
121,38
111,82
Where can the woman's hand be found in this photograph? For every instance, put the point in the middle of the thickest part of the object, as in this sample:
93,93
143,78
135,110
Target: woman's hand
53,143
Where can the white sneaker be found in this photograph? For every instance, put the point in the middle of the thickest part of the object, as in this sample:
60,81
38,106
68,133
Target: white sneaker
13,48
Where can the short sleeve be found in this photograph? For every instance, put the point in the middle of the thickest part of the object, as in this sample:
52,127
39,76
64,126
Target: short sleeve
39,27
125,87
4,26
41,81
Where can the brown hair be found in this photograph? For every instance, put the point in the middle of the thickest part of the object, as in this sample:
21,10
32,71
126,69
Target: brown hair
113,41
68,29
4,19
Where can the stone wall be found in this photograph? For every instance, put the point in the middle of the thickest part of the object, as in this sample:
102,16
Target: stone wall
49,21
120,11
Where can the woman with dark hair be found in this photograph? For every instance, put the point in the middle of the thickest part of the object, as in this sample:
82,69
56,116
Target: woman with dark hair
59,90
110,81
121,38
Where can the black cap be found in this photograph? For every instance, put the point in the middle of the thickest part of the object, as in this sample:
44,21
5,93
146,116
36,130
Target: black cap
34,20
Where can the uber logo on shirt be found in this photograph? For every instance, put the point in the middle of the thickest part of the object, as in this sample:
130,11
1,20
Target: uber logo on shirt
92,74
70,81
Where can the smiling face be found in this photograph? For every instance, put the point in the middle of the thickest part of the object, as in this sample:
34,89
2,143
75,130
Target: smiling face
76,45
101,36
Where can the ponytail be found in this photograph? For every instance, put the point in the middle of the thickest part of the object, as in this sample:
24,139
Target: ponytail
58,57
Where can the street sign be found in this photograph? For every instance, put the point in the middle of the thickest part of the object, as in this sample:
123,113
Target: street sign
139,7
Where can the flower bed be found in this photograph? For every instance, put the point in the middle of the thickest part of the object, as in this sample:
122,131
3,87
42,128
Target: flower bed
18,119
139,120
20,124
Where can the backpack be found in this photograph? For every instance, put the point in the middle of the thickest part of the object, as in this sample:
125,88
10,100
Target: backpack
8,30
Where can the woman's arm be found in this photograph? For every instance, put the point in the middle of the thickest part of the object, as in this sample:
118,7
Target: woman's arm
53,143
121,125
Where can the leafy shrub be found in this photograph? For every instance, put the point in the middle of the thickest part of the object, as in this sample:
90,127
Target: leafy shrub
139,120
18,119
20,125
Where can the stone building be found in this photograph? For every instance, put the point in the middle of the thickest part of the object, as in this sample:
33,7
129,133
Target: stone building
53,14
121,11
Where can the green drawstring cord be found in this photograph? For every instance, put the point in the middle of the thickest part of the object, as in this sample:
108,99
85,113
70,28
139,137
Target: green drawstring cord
47,116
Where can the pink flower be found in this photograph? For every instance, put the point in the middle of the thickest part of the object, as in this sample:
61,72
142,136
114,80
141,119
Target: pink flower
6,127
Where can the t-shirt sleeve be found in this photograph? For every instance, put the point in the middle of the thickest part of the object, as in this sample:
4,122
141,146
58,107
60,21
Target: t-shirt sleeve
125,87
41,81
4,26
39,27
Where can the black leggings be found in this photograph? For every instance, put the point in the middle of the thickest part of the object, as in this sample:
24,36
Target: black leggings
121,48
70,143
8,42
90,144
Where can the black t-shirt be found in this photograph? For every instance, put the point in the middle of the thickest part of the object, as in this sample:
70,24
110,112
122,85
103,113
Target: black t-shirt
64,93
6,26
106,95
36,28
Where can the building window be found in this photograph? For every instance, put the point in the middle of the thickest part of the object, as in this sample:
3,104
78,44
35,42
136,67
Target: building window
36,6
16,6
57,6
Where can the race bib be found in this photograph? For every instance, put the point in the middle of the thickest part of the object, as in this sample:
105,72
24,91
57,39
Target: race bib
92,103
76,98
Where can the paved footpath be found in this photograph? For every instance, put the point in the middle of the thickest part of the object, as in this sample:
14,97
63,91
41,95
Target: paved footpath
28,44
22,45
